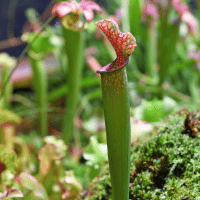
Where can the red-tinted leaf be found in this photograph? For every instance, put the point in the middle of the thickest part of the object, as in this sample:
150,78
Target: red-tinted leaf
63,8
123,43
2,167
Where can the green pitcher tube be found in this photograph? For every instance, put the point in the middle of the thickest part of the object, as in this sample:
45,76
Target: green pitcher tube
116,106
117,119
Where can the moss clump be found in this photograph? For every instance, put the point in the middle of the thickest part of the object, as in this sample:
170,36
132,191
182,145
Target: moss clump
165,167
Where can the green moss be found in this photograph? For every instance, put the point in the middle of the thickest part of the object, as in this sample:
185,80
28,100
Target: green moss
165,167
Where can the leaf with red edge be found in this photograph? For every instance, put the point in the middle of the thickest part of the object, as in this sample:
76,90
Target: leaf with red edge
123,43
29,183
11,193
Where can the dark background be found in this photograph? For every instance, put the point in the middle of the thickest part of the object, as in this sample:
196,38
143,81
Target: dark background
13,20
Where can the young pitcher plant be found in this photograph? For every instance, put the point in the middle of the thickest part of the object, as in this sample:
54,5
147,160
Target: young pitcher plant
73,27
117,107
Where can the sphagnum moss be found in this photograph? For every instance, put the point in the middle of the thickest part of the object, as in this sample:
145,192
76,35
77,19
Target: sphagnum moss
165,167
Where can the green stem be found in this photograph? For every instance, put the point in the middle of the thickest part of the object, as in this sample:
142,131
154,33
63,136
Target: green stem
167,90
198,10
2,136
75,52
63,90
166,45
193,86
117,119
125,11
9,134
138,75
134,17
4,101
151,49
162,47
41,90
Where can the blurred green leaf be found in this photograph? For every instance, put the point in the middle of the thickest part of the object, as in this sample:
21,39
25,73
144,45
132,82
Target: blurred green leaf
8,159
153,111
96,156
31,188
7,61
135,17
63,90
41,44
169,104
7,116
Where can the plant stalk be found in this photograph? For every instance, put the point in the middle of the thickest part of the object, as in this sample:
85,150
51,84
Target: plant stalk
166,45
151,49
4,101
75,51
193,87
117,119
135,17
125,15
41,91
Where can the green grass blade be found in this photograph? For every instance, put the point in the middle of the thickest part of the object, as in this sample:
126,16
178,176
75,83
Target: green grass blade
63,90
134,17
41,91
75,52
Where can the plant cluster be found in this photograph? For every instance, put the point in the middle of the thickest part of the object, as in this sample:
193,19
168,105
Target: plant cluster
53,139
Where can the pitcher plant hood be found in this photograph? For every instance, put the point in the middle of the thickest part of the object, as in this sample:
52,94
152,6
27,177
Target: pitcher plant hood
123,43
64,9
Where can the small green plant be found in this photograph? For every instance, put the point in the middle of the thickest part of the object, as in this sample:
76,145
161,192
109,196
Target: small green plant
96,155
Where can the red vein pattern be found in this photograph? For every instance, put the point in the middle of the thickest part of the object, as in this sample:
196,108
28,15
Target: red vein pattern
123,43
